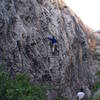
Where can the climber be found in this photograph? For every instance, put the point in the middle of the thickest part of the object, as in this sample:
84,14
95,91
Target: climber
80,94
53,42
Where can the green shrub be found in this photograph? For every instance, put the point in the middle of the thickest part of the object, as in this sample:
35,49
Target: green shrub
20,88
97,97
96,86
4,85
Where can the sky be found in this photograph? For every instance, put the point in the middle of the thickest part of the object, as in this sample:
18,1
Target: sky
87,10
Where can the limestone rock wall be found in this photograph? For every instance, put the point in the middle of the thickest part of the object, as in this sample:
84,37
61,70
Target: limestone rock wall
97,49
24,47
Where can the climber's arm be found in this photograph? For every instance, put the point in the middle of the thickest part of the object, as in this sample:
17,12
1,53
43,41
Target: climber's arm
50,38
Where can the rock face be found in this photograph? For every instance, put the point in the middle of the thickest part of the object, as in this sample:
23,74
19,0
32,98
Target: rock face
97,49
96,53
24,46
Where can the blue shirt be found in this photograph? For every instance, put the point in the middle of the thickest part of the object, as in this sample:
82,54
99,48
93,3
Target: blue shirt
53,40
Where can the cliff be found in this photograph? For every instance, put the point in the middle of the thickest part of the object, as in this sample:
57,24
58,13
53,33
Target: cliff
24,46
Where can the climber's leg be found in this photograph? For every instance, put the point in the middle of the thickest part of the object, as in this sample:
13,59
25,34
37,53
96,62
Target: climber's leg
53,47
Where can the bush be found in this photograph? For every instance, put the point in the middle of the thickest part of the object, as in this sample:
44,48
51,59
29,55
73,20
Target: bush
20,88
96,86
97,97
